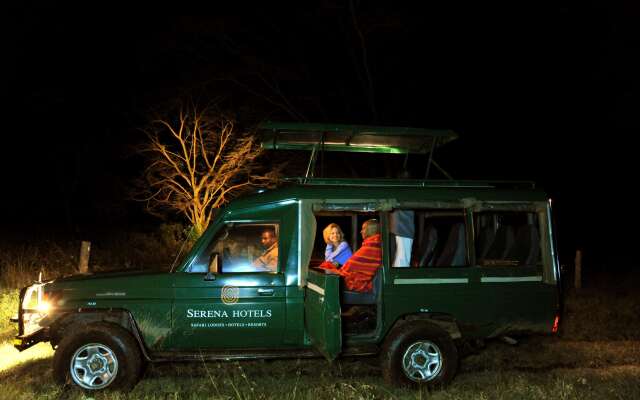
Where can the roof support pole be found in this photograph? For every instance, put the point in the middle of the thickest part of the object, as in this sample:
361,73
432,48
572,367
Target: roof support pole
433,148
322,155
312,163
442,170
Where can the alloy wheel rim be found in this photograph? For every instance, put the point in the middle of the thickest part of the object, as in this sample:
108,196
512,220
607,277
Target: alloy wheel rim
422,361
94,366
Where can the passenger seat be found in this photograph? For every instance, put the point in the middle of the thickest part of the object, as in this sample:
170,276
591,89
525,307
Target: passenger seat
454,252
361,298
501,244
526,249
428,247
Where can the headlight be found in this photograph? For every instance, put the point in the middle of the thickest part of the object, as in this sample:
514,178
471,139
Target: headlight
34,308
43,307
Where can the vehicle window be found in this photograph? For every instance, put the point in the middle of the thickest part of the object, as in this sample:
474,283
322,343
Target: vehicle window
428,238
242,248
339,235
507,238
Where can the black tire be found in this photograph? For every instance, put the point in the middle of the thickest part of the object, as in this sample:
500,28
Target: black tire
423,344
108,342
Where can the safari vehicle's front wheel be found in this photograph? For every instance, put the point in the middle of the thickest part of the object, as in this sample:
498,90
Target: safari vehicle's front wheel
98,356
420,353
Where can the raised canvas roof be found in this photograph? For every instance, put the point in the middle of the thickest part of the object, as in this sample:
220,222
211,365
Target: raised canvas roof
352,138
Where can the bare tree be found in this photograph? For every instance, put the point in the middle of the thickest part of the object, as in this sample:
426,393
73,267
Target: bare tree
197,162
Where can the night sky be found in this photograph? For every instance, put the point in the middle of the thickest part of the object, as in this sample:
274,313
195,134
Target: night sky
550,95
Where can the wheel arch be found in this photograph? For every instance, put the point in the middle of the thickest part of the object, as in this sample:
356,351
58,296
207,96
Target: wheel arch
444,321
118,317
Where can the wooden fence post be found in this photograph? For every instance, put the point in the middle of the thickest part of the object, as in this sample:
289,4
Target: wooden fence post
577,279
83,262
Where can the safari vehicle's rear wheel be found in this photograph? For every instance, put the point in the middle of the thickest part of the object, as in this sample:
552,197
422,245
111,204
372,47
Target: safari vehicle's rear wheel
420,353
98,356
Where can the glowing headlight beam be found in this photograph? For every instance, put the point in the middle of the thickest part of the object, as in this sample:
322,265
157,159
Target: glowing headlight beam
43,307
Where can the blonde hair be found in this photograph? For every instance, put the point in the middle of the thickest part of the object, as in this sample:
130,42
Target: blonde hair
327,231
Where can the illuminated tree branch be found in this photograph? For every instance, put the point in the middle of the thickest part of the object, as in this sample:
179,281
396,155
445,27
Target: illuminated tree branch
197,162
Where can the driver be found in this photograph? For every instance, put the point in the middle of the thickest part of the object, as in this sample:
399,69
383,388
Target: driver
268,259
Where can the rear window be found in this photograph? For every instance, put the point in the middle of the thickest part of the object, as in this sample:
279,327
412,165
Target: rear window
507,238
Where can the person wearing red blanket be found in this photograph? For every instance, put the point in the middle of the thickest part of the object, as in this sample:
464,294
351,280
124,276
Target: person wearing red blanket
360,269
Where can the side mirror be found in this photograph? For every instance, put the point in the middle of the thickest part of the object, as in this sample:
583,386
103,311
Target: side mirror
214,267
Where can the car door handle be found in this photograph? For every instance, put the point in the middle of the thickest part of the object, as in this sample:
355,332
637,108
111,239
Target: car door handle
265,292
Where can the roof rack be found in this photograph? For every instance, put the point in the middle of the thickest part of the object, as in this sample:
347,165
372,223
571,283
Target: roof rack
411,183
354,138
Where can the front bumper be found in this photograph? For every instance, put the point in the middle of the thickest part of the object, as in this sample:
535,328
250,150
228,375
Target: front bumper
23,342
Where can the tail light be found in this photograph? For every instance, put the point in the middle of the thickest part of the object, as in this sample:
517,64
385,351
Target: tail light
556,322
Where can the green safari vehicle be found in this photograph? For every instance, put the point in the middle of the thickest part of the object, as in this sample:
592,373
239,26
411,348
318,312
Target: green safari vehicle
479,263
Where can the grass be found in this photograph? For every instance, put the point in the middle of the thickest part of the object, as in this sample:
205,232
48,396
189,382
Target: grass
344,379
597,355
608,309
8,308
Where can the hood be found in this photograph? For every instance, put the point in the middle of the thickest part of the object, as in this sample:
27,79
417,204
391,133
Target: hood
95,276
131,282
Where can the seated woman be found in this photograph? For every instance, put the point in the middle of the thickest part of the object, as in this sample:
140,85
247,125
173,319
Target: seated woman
338,250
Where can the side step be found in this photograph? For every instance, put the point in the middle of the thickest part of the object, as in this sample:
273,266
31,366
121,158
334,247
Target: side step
256,354
232,355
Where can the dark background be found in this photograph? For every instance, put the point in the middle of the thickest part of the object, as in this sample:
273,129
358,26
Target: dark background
544,94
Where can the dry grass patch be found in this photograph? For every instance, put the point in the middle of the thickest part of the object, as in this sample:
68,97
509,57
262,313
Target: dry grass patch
539,354
8,308
10,357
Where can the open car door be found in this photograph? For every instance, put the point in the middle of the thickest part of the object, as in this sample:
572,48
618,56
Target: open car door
322,313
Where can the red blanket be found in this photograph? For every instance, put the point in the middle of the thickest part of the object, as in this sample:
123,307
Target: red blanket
361,268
